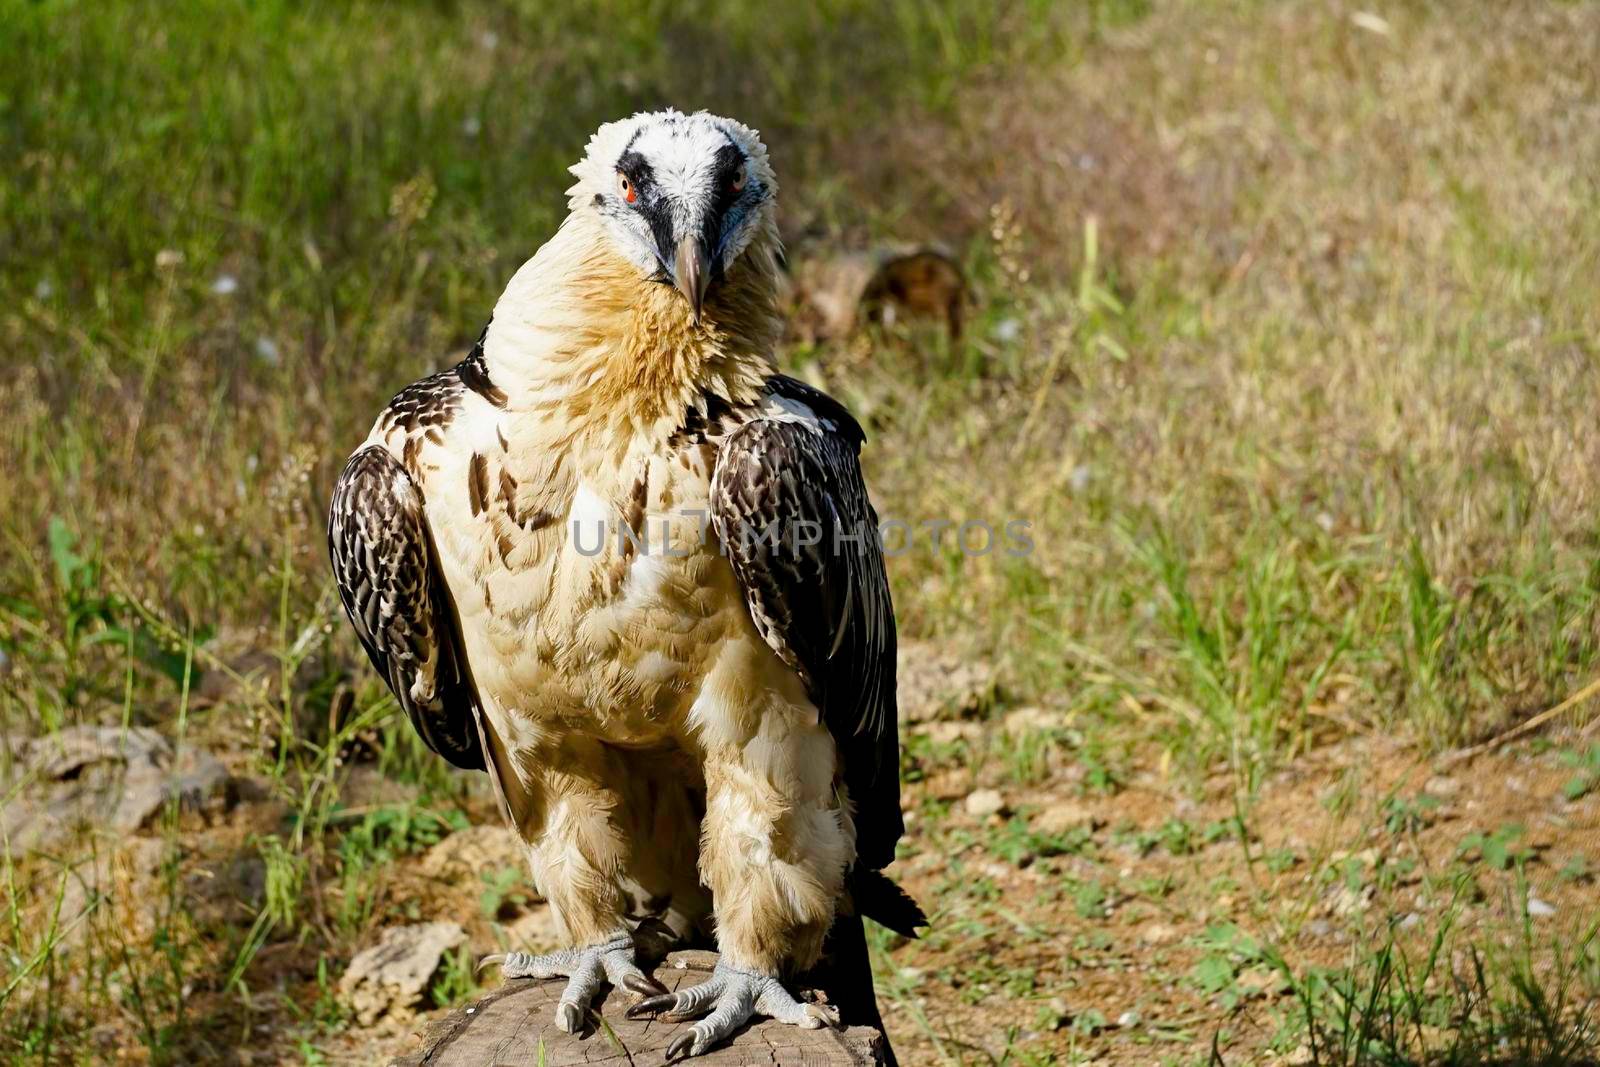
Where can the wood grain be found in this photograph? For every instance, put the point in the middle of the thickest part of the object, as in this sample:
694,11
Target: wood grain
514,1026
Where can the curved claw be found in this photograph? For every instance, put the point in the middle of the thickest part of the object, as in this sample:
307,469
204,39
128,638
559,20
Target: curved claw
643,985
682,1047
654,1005
569,1017
586,970
729,999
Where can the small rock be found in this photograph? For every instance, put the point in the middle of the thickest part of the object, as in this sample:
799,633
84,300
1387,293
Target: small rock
225,285
948,784
1159,934
1062,817
168,258
103,776
935,683
1345,901
948,733
535,930
1032,720
1262,982
113,884
982,803
1540,909
467,853
196,780
391,977
997,871
1128,1020
1442,787
1409,920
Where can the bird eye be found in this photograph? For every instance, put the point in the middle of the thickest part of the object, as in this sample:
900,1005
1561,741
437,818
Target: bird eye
737,183
625,187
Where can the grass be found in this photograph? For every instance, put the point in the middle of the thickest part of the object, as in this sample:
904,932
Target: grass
1282,342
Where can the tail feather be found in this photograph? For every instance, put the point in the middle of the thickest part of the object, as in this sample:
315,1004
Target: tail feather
846,976
881,900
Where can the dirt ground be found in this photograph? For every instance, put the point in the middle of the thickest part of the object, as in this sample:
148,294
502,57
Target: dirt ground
1113,914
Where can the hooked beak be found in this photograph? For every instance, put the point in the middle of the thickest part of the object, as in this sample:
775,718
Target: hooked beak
691,273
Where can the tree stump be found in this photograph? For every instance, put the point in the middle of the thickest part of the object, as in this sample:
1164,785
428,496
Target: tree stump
514,1026
833,296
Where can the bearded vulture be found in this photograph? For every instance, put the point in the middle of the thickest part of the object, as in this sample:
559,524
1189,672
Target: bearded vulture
619,562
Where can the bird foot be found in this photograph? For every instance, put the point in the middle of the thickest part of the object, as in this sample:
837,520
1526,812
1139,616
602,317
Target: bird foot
728,999
585,969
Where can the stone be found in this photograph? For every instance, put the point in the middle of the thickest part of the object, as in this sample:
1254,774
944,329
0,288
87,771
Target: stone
949,783
467,853
195,779
1159,934
534,930
391,977
1441,787
1540,909
948,733
111,888
1062,817
108,778
1345,901
982,803
935,683
1262,982
1032,720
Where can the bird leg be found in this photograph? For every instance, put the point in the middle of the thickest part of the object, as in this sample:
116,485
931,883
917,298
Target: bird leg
728,1000
585,969
774,848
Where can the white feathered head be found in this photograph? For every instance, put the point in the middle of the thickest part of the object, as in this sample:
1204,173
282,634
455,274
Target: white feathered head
681,195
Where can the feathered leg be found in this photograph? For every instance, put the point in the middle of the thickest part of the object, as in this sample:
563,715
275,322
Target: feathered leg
774,846
569,814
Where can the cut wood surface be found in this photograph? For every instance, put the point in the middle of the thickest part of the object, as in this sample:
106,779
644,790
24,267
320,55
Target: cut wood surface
514,1026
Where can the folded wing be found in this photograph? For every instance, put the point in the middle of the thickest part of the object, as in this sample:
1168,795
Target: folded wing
383,563
791,510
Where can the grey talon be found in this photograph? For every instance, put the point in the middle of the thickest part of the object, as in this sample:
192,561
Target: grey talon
681,1048
728,1000
586,970
644,985
569,1017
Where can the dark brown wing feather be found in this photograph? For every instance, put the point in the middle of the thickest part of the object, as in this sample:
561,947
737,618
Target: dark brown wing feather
389,583
791,510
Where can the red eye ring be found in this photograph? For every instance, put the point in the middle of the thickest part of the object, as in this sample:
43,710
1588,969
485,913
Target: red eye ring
629,193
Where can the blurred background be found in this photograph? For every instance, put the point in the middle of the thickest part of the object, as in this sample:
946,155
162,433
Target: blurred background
1277,321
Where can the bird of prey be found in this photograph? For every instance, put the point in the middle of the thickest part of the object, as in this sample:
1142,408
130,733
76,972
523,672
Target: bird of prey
619,562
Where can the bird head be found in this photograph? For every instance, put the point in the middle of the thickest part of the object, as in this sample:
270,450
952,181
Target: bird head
682,197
